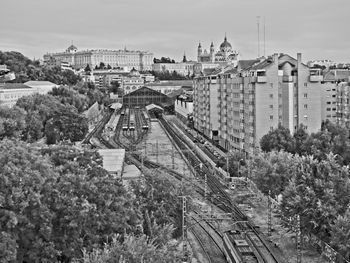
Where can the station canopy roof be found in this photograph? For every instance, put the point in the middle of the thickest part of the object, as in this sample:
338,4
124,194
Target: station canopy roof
116,106
154,107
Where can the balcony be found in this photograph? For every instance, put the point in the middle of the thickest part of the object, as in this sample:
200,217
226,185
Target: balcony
286,78
316,78
261,79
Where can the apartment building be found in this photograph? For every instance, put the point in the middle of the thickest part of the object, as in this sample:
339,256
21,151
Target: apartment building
343,103
237,106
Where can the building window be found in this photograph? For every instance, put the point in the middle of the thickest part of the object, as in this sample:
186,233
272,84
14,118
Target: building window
271,117
305,95
271,96
271,85
305,84
271,106
305,106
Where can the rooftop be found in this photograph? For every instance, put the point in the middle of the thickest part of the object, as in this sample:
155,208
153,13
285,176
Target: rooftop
113,160
15,86
34,83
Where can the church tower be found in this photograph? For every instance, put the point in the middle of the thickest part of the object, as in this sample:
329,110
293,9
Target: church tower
184,58
212,53
199,53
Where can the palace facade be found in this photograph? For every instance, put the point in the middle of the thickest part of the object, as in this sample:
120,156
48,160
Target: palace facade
140,60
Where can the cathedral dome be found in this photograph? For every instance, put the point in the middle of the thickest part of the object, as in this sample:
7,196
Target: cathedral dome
134,73
72,48
225,46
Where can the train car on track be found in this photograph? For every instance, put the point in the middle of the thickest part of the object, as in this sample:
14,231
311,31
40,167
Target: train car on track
132,121
126,120
237,249
145,120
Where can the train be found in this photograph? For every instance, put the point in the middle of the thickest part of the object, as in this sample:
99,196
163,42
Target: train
132,121
237,249
125,119
145,120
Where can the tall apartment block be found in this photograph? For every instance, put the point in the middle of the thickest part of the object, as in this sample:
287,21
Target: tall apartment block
237,106
343,103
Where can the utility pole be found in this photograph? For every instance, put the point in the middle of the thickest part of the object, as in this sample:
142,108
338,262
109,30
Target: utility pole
298,236
145,148
205,187
269,214
157,151
264,38
173,157
258,23
184,229
227,170
142,162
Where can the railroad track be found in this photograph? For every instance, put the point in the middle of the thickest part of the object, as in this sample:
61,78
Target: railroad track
99,127
223,200
209,245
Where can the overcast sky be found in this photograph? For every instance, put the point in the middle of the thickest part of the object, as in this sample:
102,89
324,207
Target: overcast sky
317,28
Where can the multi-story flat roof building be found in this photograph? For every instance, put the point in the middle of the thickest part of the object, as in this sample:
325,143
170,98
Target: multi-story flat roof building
11,92
141,60
236,106
182,68
343,103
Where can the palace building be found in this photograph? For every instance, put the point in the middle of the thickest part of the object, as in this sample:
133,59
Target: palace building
140,60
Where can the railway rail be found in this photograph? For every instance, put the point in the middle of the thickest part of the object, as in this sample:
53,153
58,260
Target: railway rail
209,245
221,198
218,193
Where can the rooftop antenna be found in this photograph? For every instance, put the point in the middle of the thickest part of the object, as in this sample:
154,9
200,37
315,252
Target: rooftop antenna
258,23
264,38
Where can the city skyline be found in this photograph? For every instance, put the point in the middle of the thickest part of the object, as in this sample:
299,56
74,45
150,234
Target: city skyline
170,28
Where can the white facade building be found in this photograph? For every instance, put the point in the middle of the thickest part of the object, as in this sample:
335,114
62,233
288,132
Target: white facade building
140,60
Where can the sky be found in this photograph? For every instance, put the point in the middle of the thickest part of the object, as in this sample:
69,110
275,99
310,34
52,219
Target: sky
318,29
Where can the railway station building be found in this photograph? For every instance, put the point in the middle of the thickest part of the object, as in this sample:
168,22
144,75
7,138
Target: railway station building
146,96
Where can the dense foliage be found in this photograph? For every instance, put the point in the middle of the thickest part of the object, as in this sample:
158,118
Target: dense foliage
58,201
26,69
317,190
57,116
331,138
166,75
163,60
311,175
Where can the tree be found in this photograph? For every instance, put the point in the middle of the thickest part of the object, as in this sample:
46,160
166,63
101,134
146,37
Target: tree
340,234
115,87
12,122
316,193
272,171
57,201
300,137
68,126
25,218
158,201
133,248
87,69
102,65
277,139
